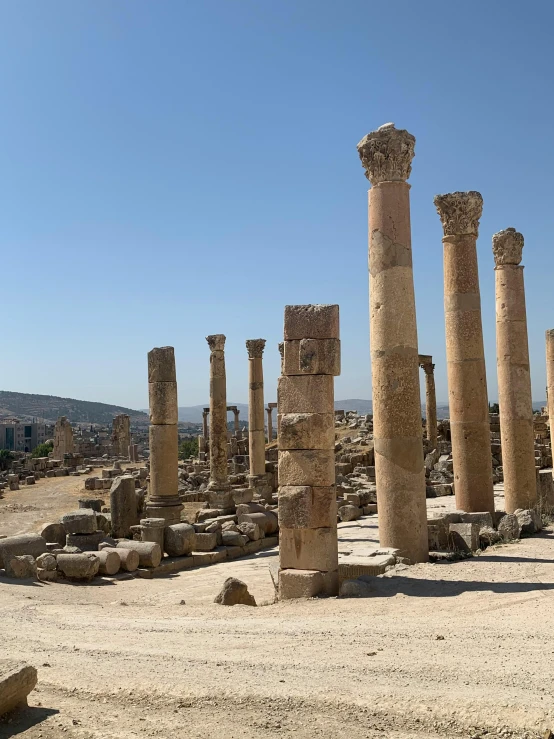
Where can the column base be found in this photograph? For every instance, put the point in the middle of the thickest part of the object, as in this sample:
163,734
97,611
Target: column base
167,508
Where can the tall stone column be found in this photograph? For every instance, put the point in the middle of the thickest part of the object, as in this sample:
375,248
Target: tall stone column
163,499
256,434
205,414
550,381
271,407
219,495
238,432
386,156
269,411
514,379
308,548
426,364
467,381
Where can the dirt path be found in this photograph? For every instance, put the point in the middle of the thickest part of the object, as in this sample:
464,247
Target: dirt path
439,650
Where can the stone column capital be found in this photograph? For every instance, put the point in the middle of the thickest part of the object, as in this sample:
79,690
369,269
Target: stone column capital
460,212
507,247
429,369
386,154
216,342
255,348
205,411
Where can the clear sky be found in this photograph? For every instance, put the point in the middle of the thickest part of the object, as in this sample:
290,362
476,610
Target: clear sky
174,169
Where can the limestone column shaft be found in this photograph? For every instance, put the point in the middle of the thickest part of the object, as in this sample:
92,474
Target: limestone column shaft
550,381
426,363
256,433
269,425
163,500
205,414
467,382
386,155
514,378
219,480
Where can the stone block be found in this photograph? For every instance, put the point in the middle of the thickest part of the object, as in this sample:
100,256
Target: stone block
46,561
123,506
464,537
129,558
529,521
308,549
164,460
311,322
54,533
149,552
306,431
349,513
299,584
17,679
307,467
110,561
94,504
85,542
205,542
163,402
234,592
82,521
233,539
22,567
312,357
161,365
78,566
15,546
509,527
305,394
481,518
356,567
266,520
179,539
306,507
251,530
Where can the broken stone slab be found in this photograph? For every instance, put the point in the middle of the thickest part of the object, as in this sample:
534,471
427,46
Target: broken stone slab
82,521
234,592
123,506
78,566
46,561
85,542
205,542
509,527
529,521
149,552
22,567
17,679
354,567
93,503
266,520
489,536
14,546
233,539
299,584
251,530
464,537
483,518
179,539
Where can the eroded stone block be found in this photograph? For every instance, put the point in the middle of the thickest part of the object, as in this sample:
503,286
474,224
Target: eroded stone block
307,467
311,321
308,549
307,507
312,357
306,431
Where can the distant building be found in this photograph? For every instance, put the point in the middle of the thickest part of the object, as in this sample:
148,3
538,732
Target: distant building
22,437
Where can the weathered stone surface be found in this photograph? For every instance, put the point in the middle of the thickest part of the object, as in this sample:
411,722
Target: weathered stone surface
14,546
306,431
149,552
349,513
305,394
82,521
179,539
234,592
129,558
110,561
386,154
356,589
488,536
509,527
312,357
46,561
308,549
464,537
85,542
161,364
314,468
482,518
266,520
93,503
233,539
54,533
17,679
78,566
205,542
22,567
529,521
123,506
311,322
306,507
300,584
251,530
163,402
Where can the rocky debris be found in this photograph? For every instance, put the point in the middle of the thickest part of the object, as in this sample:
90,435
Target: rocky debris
251,530
464,537
489,536
509,527
17,679
22,567
179,539
78,566
234,592
529,521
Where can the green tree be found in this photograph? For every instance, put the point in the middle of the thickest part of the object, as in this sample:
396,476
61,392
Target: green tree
42,450
6,458
494,408
188,448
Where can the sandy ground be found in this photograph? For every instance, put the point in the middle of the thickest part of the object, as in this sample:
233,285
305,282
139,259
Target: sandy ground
439,650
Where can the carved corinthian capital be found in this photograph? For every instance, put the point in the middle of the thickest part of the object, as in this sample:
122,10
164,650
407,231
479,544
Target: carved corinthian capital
507,247
255,348
459,212
387,154
216,342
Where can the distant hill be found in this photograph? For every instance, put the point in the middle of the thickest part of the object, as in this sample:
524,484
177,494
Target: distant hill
48,408
193,413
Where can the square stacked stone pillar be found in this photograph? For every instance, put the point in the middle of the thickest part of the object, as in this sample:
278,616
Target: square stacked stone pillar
308,549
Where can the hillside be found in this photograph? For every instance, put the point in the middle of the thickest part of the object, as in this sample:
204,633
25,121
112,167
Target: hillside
27,407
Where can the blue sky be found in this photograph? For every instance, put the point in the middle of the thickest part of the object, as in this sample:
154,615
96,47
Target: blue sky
179,168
